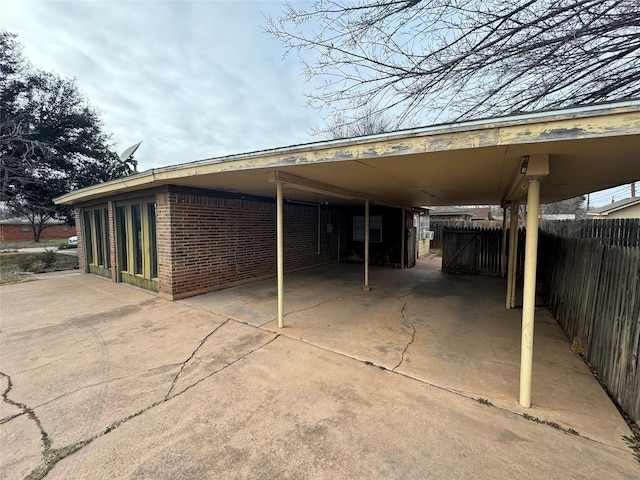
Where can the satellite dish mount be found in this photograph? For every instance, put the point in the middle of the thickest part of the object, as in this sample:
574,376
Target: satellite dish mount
126,157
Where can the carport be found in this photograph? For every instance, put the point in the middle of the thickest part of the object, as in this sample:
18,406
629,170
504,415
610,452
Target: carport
545,157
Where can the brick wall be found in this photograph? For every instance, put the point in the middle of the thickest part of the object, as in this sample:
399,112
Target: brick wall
80,233
111,225
24,232
206,243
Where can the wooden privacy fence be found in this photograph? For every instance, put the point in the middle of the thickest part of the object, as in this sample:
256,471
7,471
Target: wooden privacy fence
594,293
478,250
592,286
622,232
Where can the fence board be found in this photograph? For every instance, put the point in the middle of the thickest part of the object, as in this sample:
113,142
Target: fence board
593,292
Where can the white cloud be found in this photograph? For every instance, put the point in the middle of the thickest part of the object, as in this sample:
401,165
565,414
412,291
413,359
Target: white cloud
190,79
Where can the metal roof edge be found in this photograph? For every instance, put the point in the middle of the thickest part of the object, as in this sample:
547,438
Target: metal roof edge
149,176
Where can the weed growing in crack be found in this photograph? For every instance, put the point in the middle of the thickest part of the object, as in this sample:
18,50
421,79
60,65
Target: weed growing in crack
484,401
634,444
548,423
54,456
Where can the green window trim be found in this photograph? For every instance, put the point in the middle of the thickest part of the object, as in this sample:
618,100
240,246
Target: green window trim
137,243
97,249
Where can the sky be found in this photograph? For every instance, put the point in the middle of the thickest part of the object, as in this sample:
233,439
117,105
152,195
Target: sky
191,79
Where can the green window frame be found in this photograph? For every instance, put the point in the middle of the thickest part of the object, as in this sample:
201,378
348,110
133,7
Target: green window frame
137,243
97,247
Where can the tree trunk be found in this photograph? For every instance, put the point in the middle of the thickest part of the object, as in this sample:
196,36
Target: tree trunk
36,233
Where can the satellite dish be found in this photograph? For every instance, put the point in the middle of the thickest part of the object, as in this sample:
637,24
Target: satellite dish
126,157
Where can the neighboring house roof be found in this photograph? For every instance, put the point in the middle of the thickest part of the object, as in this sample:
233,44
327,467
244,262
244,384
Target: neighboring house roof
558,216
26,221
471,213
614,207
450,212
480,213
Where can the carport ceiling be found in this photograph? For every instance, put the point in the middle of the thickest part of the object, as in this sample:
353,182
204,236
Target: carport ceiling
469,163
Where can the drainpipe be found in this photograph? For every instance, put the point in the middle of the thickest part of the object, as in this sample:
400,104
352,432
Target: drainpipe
366,246
529,296
280,254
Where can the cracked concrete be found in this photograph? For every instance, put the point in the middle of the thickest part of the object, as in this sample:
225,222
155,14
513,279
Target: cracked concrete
133,386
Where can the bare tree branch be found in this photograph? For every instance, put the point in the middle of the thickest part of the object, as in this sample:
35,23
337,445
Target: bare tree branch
459,59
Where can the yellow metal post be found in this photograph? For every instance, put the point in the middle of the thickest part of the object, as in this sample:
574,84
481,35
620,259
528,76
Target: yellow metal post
529,297
402,246
503,247
366,244
280,254
513,254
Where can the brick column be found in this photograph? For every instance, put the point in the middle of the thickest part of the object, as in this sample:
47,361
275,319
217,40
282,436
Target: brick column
80,234
165,244
113,260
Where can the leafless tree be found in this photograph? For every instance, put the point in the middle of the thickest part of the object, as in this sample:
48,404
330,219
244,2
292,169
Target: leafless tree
429,60
358,124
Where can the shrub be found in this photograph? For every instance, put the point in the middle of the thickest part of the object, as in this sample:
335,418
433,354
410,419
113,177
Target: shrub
48,257
25,263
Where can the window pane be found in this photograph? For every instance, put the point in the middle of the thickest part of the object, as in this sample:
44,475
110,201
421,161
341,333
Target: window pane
137,238
121,220
99,254
153,248
107,243
88,239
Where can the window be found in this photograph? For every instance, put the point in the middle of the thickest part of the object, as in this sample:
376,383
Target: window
137,243
153,246
424,227
96,240
123,256
375,228
136,233
88,238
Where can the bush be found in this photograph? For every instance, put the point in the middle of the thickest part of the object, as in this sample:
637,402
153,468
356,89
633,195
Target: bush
48,257
25,263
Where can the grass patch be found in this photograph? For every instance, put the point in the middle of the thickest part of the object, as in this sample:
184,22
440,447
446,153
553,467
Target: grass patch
12,263
484,401
634,444
44,243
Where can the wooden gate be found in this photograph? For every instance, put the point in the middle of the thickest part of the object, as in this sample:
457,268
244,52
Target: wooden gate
471,251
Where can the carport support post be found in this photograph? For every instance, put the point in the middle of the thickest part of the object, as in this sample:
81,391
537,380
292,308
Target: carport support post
513,254
503,247
280,254
366,245
403,241
529,297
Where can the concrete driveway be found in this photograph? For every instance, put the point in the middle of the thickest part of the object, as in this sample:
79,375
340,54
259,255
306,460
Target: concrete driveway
101,380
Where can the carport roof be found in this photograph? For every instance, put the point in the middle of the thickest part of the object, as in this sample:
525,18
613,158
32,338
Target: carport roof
475,162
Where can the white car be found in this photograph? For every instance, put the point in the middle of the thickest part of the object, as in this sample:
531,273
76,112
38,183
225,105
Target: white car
72,240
